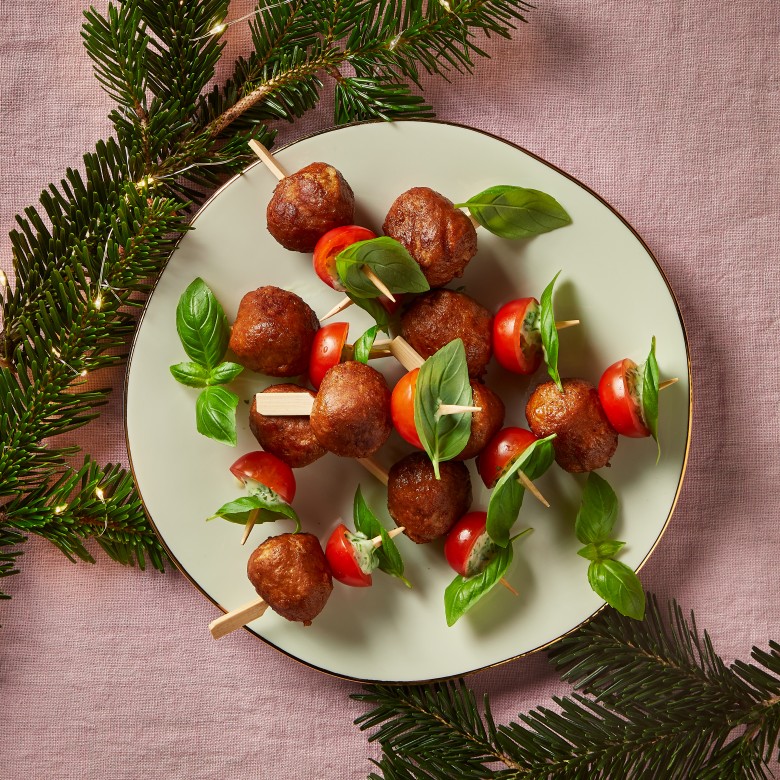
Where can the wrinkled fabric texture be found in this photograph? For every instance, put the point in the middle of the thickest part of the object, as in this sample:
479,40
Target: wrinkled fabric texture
670,112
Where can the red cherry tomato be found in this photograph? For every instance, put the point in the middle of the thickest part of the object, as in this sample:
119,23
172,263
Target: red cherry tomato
468,548
402,407
501,450
268,470
620,400
342,560
517,341
326,350
329,245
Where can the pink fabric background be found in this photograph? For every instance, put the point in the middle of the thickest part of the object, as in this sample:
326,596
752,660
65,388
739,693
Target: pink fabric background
670,112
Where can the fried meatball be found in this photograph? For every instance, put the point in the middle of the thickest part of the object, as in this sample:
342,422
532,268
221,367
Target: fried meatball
484,424
425,506
438,236
437,317
351,413
273,332
291,439
290,572
307,204
585,440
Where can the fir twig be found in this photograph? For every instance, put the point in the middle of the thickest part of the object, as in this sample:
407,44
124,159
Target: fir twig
659,704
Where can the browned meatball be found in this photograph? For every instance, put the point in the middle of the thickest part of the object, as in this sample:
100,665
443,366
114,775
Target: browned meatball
307,204
484,424
351,414
585,440
437,317
290,572
273,332
291,439
438,236
427,507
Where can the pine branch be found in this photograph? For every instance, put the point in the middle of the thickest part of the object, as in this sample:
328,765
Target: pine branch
9,539
660,704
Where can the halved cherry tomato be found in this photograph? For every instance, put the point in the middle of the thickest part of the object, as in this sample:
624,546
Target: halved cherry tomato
342,559
517,340
326,350
402,407
330,245
620,400
268,470
468,547
501,450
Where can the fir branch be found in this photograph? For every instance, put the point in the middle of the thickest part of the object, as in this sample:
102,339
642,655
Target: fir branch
660,704
8,539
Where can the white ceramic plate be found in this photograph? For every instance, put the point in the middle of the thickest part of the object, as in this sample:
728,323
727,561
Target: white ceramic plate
610,281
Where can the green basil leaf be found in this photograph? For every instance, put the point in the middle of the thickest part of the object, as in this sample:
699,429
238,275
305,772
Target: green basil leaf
191,374
516,212
202,325
549,332
265,504
463,593
649,395
598,511
388,259
600,551
375,309
362,347
366,523
215,414
619,586
443,379
506,497
224,373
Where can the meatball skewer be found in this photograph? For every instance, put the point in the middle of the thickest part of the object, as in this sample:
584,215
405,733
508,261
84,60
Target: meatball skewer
325,211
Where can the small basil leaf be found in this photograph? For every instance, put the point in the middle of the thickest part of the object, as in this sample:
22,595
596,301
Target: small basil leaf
619,586
598,511
362,347
600,551
649,395
388,259
224,373
215,414
506,497
202,325
443,379
191,374
516,212
463,593
375,309
263,503
549,332
387,554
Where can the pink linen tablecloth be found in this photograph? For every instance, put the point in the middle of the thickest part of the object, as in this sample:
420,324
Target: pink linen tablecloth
671,113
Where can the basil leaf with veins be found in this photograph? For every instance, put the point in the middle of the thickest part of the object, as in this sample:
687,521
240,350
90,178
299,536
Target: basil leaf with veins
549,332
598,511
516,212
443,379
202,325
388,259
361,349
387,554
619,586
215,414
648,393
264,503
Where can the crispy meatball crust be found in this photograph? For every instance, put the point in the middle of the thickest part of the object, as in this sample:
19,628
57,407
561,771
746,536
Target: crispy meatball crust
585,440
351,414
484,424
427,507
307,204
438,236
273,332
291,439
291,573
437,317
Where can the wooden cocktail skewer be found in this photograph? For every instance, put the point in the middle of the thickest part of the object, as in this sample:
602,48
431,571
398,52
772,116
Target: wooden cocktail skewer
410,359
272,164
380,348
300,405
668,383
254,609
250,524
